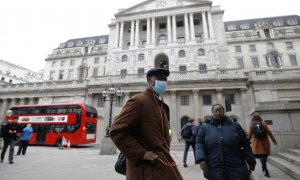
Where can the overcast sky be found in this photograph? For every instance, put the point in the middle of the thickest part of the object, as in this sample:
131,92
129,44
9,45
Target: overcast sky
31,29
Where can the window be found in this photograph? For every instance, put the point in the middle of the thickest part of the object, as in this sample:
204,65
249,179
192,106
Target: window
141,57
10,81
182,68
52,73
230,98
202,67
270,45
162,39
252,48
180,39
267,33
72,62
184,100
128,44
179,24
231,27
62,63
119,102
238,49
61,74
101,102
124,58
278,22
240,62
244,26
274,61
196,21
141,72
144,43
181,53
53,63
207,100
198,39
293,60
144,27
255,62
95,72
2,78
123,73
96,61
289,45
70,74
201,52
101,40
162,26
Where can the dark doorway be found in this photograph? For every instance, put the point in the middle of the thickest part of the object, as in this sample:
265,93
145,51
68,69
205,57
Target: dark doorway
184,120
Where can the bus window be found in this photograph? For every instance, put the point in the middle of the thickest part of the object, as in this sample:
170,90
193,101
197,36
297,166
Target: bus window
90,128
91,112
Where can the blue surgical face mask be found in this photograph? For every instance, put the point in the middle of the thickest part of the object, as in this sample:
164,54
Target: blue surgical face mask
159,87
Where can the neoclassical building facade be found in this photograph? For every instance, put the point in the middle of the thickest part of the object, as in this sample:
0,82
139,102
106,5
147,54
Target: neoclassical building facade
253,64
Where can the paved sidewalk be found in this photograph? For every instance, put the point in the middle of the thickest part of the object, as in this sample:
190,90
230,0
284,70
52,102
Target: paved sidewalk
85,163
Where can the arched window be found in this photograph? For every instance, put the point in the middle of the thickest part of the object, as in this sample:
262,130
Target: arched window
201,52
141,57
162,40
181,53
124,58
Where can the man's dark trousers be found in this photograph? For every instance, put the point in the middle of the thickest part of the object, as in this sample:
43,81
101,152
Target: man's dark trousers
11,143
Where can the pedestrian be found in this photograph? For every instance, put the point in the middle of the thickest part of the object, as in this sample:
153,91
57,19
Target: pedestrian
197,127
258,133
11,129
141,132
188,134
25,138
222,148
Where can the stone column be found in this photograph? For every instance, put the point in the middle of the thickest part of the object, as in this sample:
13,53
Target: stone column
137,31
244,109
204,23
22,101
117,34
169,29
31,101
220,96
4,107
192,27
132,34
148,32
174,123
211,29
153,31
121,35
186,28
196,104
174,28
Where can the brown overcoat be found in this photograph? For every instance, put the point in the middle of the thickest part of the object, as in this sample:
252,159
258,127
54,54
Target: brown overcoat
261,146
143,126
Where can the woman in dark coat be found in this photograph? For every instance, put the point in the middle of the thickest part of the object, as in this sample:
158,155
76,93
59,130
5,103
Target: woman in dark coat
222,148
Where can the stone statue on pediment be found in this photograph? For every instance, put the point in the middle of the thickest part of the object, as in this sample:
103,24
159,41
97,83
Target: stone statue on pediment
161,3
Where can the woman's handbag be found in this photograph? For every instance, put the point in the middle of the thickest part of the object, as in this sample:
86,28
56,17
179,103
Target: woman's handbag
120,166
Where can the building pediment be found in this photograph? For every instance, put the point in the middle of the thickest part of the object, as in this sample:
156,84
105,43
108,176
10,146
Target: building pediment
151,5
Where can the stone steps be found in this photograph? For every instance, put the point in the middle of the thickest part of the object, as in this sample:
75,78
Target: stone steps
288,162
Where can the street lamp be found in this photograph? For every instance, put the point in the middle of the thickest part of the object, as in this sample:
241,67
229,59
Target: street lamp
107,146
111,93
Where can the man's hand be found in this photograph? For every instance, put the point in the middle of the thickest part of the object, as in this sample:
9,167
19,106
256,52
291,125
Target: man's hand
149,155
203,166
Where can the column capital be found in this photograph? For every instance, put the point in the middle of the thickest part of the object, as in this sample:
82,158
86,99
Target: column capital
219,89
195,91
173,91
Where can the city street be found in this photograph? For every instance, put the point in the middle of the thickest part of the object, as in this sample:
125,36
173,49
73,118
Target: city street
51,163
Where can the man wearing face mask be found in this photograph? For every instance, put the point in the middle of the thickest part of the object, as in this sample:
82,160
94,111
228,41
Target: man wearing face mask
141,132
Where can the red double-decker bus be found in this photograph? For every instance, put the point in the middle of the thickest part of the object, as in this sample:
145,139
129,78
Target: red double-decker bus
75,122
